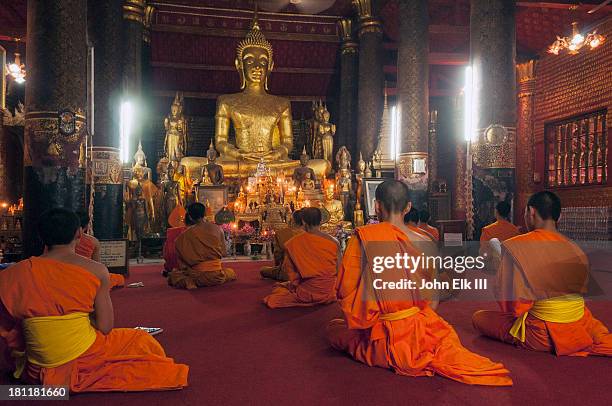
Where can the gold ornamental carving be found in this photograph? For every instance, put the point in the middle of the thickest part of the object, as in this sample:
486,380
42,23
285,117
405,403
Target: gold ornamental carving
106,166
412,170
345,30
55,138
495,147
147,22
368,23
134,10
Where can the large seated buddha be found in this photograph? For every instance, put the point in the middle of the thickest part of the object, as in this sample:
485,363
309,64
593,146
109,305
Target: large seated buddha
262,122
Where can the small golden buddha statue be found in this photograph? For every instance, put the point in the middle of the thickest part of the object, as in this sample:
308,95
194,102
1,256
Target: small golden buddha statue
308,183
262,121
323,137
175,123
343,159
335,209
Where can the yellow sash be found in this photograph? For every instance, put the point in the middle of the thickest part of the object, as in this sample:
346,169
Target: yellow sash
400,314
562,309
52,341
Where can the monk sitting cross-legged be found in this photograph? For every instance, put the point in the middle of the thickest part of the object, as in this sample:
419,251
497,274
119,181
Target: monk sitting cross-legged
281,237
542,278
502,228
199,250
424,217
311,260
169,249
88,246
397,328
57,318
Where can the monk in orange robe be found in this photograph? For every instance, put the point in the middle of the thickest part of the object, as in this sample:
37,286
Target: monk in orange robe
57,318
88,246
502,228
169,250
424,217
542,279
393,328
311,260
411,221
199,250
281,237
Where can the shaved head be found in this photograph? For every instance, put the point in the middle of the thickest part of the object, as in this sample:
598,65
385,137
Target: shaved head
546,204
393,196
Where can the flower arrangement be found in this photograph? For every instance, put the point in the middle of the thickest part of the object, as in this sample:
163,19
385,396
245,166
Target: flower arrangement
246,231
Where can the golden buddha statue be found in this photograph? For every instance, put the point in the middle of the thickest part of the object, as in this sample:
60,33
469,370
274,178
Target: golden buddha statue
299,173
262,121
308,183
323,133
335,209
175,124
343,175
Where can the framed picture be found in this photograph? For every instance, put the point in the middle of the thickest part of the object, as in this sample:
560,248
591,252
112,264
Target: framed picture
215,196
370,185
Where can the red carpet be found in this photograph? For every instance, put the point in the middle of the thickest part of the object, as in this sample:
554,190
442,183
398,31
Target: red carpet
242,353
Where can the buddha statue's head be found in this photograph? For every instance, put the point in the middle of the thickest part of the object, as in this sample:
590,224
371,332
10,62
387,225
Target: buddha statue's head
304,158
254,58
211,154
329,192
176,109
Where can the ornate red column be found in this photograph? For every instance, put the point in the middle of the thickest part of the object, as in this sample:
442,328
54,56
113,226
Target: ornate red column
55,123
349,52
371,77
525,143
413,96
493,147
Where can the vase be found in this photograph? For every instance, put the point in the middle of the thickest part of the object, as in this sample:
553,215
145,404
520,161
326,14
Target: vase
247,249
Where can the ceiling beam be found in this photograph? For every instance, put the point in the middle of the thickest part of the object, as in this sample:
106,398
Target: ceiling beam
194,66
438,58
214,96
562,6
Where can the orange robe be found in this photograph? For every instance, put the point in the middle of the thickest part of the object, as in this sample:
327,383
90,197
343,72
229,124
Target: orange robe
170,261
543,265
86,247
501,229
420,231
280,239
311,264
123,360
199,250
432,231
421,344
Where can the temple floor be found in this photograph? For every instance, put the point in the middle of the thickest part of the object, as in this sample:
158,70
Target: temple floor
240,352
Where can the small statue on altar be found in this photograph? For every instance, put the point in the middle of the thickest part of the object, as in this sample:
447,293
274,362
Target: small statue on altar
170,194
142,174
185,185
335,210
299,173
343,176
138,216
205,181
300,197
308,183
175,123
214,171
323,133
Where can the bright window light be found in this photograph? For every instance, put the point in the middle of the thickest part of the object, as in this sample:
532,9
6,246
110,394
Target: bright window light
127,115
468,109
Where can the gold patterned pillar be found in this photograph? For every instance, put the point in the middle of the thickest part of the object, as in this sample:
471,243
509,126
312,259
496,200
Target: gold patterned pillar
107,38
349,51
493,147
371,76
55,124
525,143
413,97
